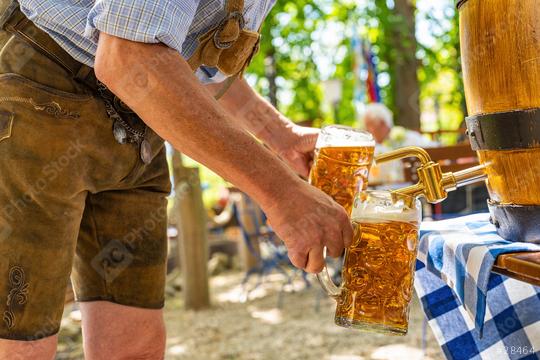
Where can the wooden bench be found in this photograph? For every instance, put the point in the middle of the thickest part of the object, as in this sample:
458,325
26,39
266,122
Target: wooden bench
520,266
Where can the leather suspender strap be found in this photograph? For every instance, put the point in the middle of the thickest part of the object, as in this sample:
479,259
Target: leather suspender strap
228,46
16,23
226,86
235,6
220,37
23,28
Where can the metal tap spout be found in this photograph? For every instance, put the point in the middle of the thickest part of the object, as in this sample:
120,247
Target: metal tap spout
433,184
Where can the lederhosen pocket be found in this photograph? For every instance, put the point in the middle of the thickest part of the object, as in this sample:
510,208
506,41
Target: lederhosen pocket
6,124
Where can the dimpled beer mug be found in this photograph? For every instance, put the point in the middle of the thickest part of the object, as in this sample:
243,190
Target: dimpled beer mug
378,270
343,157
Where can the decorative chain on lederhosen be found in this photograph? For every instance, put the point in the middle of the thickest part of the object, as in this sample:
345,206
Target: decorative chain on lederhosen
127,126
124,120
229,47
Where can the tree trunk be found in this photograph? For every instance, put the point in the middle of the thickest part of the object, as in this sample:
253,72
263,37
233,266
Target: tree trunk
193,246
271,75
407,87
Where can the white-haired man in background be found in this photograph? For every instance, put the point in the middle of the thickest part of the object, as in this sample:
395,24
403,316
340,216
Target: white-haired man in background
379,121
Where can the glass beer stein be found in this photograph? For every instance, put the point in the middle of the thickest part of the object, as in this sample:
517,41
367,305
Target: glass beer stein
378,270
343,157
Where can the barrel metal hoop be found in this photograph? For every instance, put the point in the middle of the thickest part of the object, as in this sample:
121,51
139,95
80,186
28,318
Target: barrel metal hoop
517,223
505,131
460,3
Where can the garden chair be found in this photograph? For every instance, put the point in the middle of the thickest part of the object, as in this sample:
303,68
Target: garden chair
268,251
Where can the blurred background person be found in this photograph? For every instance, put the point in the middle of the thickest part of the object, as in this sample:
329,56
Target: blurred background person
378,119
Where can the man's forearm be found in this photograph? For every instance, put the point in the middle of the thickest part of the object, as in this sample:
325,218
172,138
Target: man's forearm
158,85
254,113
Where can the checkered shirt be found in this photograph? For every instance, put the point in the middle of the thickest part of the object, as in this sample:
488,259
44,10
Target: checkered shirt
75,24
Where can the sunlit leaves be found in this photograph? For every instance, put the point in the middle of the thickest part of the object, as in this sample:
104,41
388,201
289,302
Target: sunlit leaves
310,42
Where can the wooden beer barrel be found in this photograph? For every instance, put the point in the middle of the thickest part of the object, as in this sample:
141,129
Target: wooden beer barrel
500,46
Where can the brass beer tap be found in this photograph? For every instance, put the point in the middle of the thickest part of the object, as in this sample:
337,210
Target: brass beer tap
433,184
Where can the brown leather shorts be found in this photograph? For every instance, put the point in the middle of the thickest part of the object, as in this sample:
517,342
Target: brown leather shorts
73,201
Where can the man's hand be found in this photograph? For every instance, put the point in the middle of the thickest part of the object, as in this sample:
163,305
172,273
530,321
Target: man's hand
308,221
296,146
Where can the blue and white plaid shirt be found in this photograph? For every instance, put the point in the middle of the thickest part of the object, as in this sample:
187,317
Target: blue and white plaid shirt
75,24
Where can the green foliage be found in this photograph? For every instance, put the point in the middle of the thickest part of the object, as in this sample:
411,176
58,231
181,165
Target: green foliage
295,59
444,55
440,73
287,45
295,37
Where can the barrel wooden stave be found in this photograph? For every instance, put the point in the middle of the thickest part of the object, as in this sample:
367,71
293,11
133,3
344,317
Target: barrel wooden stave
500,46
513,176
500,49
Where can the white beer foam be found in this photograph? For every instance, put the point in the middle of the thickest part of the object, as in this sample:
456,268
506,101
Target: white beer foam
343,136
376,213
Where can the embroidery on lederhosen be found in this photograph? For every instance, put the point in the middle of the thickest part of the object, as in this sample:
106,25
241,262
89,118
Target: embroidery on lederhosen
51,108
18,295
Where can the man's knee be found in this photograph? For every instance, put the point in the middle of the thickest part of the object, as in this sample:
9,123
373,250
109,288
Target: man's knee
146,349
122,332
146,344
43,349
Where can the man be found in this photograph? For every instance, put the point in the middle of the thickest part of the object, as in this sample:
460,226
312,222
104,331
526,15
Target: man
379,121
84,176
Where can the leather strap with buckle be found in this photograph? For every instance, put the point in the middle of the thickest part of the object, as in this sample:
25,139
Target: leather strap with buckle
229,47
235,16
15,22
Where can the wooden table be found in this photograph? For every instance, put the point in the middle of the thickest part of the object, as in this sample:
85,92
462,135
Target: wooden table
520,266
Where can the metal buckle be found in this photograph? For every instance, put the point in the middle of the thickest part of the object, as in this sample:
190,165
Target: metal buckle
235,15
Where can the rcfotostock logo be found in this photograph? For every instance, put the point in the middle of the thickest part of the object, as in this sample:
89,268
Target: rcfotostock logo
21,53
5,231
112,260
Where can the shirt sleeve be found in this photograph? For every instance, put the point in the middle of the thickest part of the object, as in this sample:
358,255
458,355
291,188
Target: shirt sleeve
147,21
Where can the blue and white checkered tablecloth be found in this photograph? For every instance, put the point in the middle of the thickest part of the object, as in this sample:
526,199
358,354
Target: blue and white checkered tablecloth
474,313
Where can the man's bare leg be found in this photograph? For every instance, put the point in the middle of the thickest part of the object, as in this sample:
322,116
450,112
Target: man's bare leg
118,332
43,349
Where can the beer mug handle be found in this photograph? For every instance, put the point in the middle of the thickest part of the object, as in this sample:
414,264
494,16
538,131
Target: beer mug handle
327,283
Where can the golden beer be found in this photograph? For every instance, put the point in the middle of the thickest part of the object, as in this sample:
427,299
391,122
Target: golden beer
378,270
342,162
378,276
